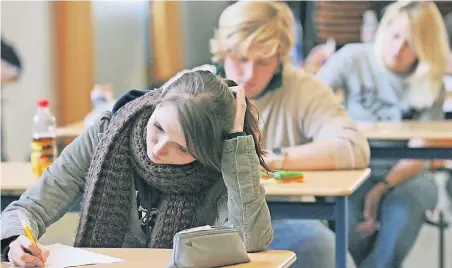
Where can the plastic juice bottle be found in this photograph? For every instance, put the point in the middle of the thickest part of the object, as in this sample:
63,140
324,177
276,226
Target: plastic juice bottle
43,145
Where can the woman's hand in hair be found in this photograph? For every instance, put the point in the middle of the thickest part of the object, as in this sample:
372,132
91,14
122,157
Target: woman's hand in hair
240,109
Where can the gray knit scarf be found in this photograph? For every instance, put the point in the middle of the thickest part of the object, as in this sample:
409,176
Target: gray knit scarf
119,157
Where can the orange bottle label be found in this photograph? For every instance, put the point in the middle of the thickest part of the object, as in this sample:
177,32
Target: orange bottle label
43,152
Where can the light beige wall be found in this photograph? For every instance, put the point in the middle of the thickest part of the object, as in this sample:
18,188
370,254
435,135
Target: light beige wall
198,20
120,40
26,25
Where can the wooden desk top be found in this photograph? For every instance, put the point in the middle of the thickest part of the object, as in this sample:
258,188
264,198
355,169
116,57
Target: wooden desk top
145,258
16,176
71,130
406,130
320,183
161,258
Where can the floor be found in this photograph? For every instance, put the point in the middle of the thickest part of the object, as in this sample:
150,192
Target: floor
426,250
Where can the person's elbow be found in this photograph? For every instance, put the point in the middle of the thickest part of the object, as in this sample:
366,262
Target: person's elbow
258,231
352,153
362,156
259,241
360,152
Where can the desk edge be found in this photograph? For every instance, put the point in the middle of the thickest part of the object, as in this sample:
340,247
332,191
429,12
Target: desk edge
290,261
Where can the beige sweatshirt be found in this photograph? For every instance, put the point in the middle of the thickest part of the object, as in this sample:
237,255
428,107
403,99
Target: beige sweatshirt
304,110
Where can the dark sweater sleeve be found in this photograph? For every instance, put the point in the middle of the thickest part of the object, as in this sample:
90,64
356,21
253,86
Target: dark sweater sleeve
128,96
5,246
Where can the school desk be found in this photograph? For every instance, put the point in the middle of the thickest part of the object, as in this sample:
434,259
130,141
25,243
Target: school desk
440,130
160,258
285,200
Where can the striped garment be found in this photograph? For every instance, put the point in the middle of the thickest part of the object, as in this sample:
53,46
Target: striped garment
340,20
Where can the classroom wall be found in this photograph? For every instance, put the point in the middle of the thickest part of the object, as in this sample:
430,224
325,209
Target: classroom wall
198,19
120,43
121,39
26,25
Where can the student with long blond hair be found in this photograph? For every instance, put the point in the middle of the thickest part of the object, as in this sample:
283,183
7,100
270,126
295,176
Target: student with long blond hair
397,77
301,121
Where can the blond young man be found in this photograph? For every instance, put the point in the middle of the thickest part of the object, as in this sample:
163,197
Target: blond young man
300,116
251,46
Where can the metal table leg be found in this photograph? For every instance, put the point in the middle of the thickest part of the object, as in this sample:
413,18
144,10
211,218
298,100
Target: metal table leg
341,213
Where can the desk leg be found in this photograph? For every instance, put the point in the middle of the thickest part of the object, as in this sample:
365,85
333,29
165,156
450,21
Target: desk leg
341,215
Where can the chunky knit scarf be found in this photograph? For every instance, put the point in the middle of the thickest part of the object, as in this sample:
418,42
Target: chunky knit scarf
119,157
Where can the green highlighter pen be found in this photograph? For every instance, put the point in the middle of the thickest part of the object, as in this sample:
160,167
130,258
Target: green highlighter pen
287,174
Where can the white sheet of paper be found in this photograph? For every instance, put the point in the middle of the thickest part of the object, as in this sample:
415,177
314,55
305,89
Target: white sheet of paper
65,256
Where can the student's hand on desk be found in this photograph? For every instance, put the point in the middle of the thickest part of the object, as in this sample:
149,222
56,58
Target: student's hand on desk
275,161
371,208
18,255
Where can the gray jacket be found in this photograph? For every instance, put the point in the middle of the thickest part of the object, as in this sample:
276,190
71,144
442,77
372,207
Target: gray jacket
61,186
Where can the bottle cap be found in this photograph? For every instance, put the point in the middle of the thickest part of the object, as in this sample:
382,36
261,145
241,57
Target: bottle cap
43,103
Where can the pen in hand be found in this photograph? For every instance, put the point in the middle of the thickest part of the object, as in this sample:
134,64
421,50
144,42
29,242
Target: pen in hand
26,226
